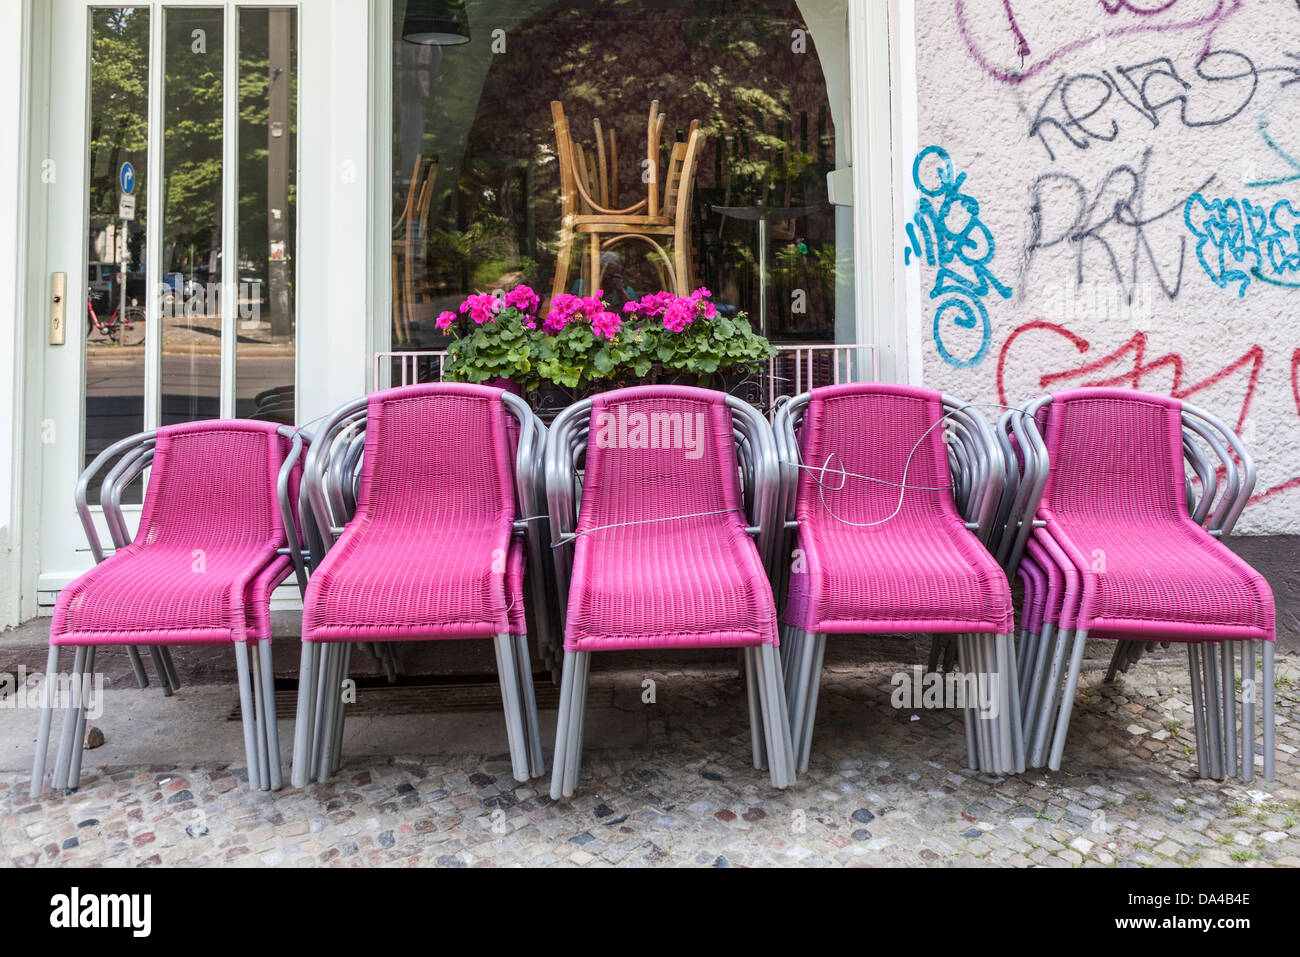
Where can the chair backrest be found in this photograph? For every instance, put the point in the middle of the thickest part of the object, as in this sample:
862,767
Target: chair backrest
1115,453
682,163
660,453
893,434
213,484
436,453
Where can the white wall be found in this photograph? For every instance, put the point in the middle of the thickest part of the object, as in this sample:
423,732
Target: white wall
1113,200
12,81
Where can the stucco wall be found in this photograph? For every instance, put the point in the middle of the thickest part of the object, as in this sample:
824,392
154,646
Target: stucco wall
1113,148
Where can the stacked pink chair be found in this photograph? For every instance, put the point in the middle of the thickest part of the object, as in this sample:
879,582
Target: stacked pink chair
421,498
665,542
1127,529
891,492
211,546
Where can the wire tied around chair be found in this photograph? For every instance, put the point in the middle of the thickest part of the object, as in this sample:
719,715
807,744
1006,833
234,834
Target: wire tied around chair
641,521
902,486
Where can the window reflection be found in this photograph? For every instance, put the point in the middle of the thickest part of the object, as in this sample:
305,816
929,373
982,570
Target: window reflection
478,198
115,293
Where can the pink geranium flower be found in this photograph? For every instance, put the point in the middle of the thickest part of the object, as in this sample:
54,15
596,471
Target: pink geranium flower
606,324
524,299
445,319
481,307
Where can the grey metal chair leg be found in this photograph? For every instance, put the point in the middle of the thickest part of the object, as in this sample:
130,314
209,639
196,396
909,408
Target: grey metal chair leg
1026,651
1250,693
246,711
936,646
322,721
968,717
560,758
340,715
780,749
1011,710
159,666
1003,687
1213,722
986,731
64,759
1048,698
164,653
511,705
1228,683
48,683
810,707
796,686
1118,661
305,717
1270,727
584,681
1067,699
532,723
259,723
1198,711
329,714
1036,681
758,737
573,746
268,708
86,689
137,666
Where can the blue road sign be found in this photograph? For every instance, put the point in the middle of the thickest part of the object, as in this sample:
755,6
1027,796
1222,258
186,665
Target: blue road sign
126,178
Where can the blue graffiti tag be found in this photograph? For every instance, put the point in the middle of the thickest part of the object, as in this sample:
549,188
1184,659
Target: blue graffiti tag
1237,241
961,249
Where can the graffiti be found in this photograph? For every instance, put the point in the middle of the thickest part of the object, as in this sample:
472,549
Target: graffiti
1077,104
1122,18
1032,367
962,247
1237,241
1111,223
1267,132
1087,107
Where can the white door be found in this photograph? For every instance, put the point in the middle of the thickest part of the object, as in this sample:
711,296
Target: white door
173,208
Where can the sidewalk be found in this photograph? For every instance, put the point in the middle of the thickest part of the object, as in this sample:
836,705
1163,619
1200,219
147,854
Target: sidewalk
668,783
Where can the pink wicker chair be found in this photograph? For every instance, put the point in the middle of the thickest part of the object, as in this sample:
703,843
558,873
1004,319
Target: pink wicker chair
881,546
659,554
1118,515
210,548
433,548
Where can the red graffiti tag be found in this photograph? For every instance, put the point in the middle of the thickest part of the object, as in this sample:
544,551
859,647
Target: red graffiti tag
1128,366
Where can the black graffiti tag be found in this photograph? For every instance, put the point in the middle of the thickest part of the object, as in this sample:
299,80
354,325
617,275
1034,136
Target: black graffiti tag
1109,224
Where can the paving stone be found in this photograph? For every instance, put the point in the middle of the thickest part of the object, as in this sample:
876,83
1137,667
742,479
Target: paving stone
878,792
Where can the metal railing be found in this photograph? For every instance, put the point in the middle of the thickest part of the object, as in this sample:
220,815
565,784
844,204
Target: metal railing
794,369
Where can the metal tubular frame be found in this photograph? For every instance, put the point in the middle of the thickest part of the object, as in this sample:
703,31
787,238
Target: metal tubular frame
330,486
761,487
1215,505
979,481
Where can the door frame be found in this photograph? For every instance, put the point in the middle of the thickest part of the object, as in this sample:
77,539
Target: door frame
332,278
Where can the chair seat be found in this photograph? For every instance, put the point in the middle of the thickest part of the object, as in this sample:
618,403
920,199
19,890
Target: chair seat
690,583
163,595
1165,579
398,585
897,576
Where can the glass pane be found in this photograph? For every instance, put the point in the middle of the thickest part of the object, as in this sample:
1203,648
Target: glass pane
268,153
477,195
119,89
191,214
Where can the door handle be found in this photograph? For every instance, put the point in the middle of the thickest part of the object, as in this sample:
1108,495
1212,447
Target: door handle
58,308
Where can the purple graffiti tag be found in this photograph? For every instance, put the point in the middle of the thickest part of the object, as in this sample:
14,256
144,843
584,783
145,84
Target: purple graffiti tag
1134,19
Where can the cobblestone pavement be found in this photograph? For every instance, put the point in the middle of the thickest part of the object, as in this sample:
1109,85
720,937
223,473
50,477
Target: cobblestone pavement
886,787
